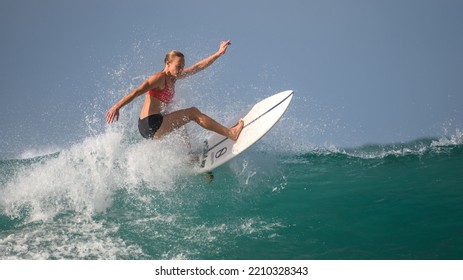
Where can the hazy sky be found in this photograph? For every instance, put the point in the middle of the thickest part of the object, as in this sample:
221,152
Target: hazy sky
363,71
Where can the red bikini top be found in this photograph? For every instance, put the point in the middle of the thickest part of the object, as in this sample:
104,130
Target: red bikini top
165,95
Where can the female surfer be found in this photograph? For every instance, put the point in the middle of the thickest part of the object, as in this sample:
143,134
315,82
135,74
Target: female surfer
152,124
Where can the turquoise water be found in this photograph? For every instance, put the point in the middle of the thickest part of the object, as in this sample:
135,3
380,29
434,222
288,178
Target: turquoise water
113,197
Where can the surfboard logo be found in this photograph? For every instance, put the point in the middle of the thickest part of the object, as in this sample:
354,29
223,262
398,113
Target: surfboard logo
221,152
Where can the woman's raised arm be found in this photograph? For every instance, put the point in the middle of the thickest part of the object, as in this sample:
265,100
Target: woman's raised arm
203,64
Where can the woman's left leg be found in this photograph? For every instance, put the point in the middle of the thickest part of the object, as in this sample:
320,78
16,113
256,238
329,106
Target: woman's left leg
179,118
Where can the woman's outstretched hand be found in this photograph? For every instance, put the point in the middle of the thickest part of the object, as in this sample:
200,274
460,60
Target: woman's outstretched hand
223,47
112,114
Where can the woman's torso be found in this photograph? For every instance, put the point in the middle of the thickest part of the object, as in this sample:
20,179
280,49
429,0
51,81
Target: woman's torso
155,98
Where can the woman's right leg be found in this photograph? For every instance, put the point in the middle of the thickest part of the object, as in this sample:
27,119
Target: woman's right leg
179,118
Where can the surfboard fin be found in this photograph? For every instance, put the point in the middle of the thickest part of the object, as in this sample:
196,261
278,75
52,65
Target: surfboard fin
208,176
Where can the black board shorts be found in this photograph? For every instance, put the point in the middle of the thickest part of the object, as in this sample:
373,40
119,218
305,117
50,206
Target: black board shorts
149,125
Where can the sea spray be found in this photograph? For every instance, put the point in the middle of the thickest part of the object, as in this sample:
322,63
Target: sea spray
84,177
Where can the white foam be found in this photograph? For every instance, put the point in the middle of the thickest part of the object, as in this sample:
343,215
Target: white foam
84,177
73,237
452,140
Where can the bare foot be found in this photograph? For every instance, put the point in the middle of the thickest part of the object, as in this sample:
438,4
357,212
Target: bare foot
236,130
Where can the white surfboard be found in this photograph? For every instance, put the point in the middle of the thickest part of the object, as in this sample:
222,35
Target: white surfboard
260,119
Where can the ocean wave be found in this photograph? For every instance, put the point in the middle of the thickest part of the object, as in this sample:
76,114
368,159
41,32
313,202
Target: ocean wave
114,196
85,177
417,147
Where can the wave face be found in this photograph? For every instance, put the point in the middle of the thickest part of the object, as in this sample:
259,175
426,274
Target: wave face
113,196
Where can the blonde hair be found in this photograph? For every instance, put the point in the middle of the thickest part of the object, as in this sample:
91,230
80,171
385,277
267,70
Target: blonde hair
172,54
